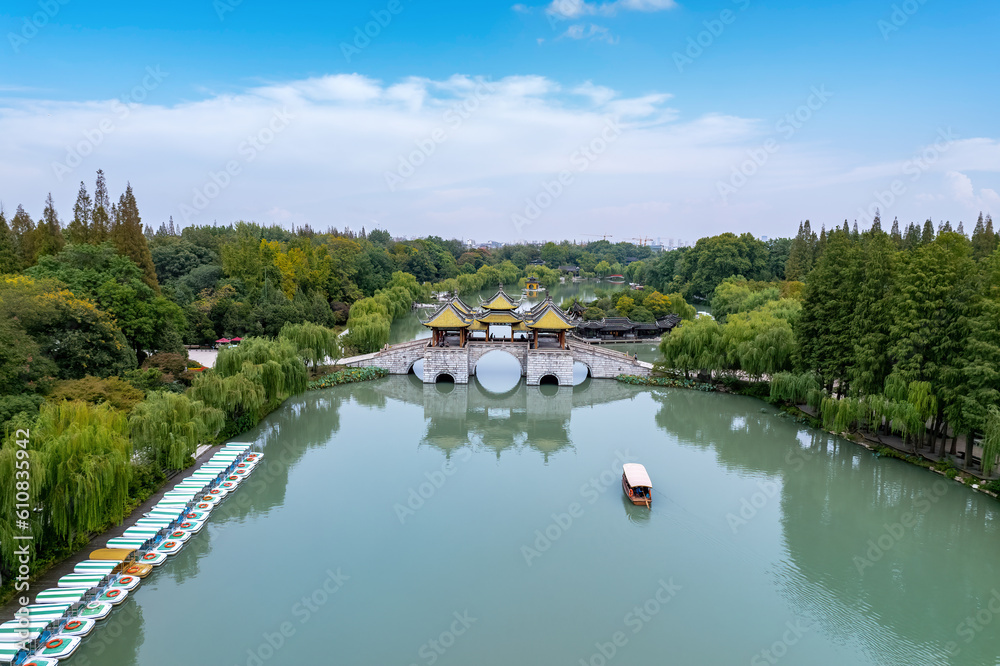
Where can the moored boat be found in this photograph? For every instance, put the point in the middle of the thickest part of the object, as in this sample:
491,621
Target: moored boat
636,484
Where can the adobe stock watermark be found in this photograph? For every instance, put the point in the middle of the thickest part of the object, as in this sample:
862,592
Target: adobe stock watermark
703,40
419,496
635,620
899,17
793,633
47,10
453,119
590,491
973,625
580,161
435,648
751,506
787,127
303,611
249,149
363,35
22,524
223,7
915,168
893,533
121,110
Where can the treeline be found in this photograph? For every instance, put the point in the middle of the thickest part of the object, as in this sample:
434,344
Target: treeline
644,305
897,332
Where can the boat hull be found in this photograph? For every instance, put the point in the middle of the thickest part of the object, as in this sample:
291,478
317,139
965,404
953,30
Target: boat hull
635,499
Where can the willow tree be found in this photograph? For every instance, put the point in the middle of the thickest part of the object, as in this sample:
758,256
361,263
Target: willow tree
238,396
18,487
273,364
314,343
694,346
991,441
167,428
87,456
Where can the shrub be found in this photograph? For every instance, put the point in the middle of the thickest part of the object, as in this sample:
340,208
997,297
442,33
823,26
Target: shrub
113,391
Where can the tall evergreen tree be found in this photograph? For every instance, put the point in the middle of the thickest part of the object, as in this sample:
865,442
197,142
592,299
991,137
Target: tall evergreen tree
824,329
800,255
48,234
78,231
930,326
876,223
8,255
127,235
873,314
928,234
984,241
100,223
895,235
22,230
912,238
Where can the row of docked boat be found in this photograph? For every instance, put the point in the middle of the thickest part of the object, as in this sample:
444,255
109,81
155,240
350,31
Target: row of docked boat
54,626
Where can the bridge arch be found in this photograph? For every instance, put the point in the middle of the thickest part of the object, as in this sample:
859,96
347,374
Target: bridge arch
502,370
549,379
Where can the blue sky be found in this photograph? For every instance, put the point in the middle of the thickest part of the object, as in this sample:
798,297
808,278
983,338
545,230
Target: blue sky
891,96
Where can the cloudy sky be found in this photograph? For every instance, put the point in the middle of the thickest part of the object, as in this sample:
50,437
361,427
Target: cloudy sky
492,120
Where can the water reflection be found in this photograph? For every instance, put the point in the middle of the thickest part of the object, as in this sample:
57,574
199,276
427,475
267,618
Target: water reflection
868,540
639,515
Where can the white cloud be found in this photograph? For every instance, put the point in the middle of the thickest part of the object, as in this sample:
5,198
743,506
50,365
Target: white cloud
496,143
573,9
594,32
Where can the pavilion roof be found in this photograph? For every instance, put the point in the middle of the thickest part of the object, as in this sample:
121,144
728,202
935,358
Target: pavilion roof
500,301
499,317
448,316
548,318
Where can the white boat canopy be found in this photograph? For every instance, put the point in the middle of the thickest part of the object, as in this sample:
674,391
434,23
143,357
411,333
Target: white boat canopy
635,475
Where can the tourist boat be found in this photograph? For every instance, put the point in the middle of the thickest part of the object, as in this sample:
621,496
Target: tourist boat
61,595
58,647
94,610
636,484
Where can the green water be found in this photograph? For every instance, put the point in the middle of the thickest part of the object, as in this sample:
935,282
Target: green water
398,523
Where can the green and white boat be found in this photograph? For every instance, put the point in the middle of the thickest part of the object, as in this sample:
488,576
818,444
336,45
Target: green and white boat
112,595
61,595
124,542
103,567
95,610
77,626
87,580
153,558
22,632
58,647
169,547
46,612
126,582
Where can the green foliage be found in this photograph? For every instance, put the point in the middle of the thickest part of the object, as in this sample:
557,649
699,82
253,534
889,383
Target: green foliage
114,391
793,388
126,234
695,346
314,343
348,376
167,428
672,382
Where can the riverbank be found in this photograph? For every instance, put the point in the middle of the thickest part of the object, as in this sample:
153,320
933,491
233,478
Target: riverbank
51,575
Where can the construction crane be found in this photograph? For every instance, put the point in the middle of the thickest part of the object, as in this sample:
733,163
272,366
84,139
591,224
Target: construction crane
601,236
641,240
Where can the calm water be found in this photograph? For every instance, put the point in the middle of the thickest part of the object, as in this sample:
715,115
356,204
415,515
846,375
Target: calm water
397,523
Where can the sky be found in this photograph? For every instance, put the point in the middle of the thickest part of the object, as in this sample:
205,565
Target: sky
567,119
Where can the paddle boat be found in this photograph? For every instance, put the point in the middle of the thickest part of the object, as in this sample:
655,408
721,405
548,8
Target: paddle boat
112,595
76,626
102,567
61,595
94,610
636,484
46,612
169,547
125,542
125,582
22,632
58,647
87,580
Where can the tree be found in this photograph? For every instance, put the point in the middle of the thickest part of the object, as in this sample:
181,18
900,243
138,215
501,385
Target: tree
625,305
714,259
22,231
167,428
80,339
8,255
100,220
79,229
873,315
928,234
602,269
48,237
984,240
128,238
825,327
314,343
694,346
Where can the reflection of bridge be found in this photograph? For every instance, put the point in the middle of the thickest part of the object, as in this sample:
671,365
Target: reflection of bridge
525,416
539,366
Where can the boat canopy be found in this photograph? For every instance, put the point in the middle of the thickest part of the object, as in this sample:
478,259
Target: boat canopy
635,475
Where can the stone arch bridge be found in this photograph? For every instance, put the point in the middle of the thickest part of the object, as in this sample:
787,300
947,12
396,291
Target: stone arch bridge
459,363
